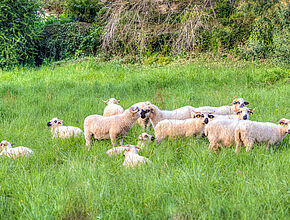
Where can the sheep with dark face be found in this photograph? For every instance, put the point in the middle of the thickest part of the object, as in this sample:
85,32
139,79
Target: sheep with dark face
156,115
112,127
250,132
145,121
242,114
143,140
7,150
237,104
112,107
60,131
183,128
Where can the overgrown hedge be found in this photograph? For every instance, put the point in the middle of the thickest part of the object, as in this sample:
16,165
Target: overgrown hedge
246,29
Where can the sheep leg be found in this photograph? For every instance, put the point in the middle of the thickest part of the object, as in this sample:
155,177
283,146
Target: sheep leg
238,148
113,139
249,146
268,145
121,141
88,137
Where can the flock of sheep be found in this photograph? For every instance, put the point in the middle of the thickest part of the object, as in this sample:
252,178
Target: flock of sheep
223,126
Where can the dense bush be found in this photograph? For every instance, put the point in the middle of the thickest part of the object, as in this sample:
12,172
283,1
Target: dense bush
20,30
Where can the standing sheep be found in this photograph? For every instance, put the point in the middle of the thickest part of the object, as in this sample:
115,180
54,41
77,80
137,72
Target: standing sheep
221,132
227,109
112,107
60,131
8,151
143,122
182,128
156,115
250,132
242,114
132,158
112,127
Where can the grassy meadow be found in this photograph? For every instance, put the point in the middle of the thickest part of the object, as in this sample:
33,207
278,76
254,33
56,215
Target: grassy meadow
62,180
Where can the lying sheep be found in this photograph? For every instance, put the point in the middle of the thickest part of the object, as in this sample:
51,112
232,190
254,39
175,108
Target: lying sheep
112,108
143,122
8,151
221,132
182,128
112,127
60,131
250,132
227,109
156,115
242,114
132,158
143,140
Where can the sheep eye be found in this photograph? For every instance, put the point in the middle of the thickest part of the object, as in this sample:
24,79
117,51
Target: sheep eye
211,116
146,136
55,121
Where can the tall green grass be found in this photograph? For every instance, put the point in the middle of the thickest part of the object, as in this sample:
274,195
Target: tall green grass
63,180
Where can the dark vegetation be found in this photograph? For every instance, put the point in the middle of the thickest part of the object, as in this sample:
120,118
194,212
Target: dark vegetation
142,30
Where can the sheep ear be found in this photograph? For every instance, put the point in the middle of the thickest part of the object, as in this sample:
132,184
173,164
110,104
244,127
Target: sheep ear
106,101
118,101
246,103
252,109
132,110
152,110
235,101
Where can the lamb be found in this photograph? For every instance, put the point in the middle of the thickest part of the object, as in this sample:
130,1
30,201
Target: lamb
250,132
143,140
227,109
221,132
132,158
183,128
242,114
111,127
143,122
8,151
112,107
60,131
156,115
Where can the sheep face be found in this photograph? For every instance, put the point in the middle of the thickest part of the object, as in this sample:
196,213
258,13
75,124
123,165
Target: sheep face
239,103
144,137
5,144
206,117
285,123
112,101
147,112
55,122
244,113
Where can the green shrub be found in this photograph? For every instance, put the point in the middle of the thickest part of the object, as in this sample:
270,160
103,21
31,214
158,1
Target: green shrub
20,29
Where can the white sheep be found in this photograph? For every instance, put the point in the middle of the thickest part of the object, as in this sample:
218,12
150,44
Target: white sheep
60,131
182,128
156,115
250,132
112,107
143,140
112,127
221,132
143,122
227,109
8,151
242,114
132,158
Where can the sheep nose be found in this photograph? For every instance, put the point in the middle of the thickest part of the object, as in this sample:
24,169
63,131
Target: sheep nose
245,117
153,138
143,114
48,124
289,131
206,120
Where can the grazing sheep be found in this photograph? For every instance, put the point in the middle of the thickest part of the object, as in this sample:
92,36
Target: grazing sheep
132,158
143,139
60,131
112,108
8,151
227,109
156,115
182,128
143,122
242,114
250,132
221,132
112,127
